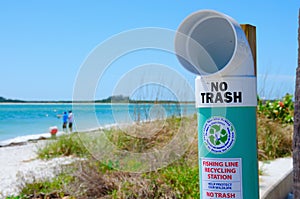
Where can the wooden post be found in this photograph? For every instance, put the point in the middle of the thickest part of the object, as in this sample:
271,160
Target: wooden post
250,32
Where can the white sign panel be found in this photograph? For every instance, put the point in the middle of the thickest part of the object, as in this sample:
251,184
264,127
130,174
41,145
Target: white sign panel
225,91
221,178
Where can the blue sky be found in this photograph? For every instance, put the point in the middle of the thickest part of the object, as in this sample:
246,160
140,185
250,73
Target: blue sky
43,44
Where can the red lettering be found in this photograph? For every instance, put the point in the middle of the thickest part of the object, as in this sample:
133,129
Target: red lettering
231,164
210,194
219,177
212,164
224,195
208,170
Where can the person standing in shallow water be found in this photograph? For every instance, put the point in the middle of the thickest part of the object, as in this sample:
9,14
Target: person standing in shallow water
70,120
65,121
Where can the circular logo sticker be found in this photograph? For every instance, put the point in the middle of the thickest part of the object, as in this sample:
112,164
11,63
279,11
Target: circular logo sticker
218,135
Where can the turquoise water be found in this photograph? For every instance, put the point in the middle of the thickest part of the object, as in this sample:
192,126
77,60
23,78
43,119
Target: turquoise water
17,120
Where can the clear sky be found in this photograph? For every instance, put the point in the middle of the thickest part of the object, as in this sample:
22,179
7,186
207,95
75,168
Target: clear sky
43,44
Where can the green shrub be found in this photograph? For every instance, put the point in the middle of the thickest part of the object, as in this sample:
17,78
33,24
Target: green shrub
183,179
281,110
46,189
15,197
65,145
274,138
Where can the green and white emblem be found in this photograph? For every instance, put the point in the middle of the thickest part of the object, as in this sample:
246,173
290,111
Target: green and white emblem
218,135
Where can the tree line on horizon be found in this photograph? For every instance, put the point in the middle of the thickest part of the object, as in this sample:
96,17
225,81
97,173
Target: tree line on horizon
110,99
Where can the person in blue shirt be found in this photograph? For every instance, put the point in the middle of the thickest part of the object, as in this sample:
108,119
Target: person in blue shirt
65,121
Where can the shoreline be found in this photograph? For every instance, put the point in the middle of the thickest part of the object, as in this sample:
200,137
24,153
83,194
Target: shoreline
21,140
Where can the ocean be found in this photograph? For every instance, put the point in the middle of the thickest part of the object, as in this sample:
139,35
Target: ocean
21,122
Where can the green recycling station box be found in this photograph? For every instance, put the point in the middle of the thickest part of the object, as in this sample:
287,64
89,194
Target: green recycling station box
213,46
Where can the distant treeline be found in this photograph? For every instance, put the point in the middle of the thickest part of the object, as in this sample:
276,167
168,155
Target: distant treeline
2,99
111,99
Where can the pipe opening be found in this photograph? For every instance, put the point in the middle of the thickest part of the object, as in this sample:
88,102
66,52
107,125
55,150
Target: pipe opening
216,37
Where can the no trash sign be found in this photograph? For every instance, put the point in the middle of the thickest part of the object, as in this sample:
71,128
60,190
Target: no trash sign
221,178
226,91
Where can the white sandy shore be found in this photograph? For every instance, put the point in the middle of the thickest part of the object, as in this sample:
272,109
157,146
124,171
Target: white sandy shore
20,163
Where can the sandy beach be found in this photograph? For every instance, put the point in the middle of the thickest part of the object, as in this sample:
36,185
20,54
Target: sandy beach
20,163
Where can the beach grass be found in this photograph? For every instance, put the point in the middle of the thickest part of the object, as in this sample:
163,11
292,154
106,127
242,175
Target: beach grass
47,189
274,138
179,179
64,145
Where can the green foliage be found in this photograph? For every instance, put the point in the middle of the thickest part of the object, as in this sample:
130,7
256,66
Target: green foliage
15,197
45,189
274,138
183,178
281,110
178,180
274,129
103,166
65,145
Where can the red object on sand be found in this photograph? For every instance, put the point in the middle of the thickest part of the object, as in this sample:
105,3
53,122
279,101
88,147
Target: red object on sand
53,130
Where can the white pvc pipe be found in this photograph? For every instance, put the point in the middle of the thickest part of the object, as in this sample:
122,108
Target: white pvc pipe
208,42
